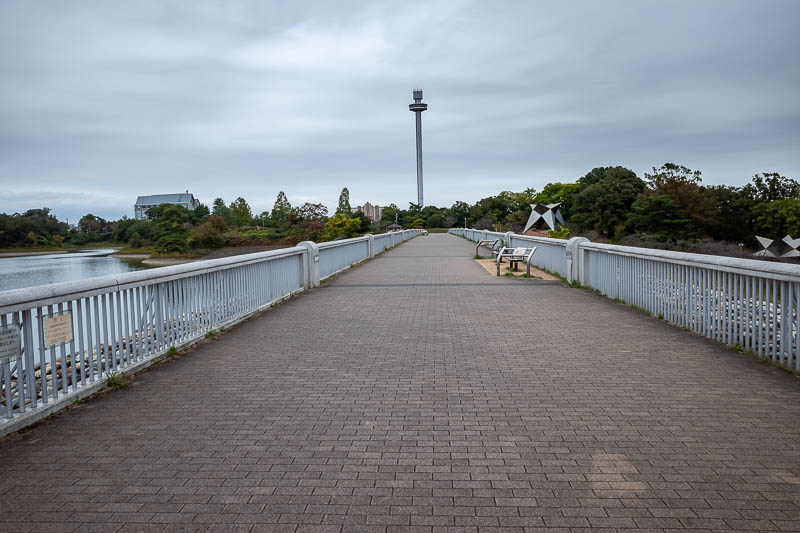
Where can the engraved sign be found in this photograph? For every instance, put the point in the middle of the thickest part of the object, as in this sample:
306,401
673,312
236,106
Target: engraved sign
57,329
9,343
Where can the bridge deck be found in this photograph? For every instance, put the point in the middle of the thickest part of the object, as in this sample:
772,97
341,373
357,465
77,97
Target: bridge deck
418,392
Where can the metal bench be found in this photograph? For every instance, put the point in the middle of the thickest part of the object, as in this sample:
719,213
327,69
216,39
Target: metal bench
492,244
514,256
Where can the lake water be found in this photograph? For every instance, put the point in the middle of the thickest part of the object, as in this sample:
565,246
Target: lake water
32,270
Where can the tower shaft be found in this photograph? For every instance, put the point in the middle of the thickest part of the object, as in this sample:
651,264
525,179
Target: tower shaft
417,108
420,200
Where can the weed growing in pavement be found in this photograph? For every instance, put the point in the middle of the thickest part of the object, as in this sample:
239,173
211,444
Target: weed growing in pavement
117,380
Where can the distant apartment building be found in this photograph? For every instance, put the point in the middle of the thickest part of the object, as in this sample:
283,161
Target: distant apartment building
143,203
373,212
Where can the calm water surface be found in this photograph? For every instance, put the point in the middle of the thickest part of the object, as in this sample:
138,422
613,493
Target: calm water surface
32,270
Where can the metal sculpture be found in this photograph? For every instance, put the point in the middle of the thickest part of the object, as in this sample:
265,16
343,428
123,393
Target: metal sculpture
550,214
765,244
793,244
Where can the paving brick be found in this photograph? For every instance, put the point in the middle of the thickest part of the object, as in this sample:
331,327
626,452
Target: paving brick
419,393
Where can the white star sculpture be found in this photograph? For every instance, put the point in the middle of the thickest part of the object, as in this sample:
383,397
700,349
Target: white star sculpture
765,244
550,213
794,244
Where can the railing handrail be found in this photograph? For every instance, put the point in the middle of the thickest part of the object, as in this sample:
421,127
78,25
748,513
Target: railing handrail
40,295
37,296
543,240
341,242
751,267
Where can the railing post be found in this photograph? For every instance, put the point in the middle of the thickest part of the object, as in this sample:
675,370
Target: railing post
575,264
509,235
311,279
371,242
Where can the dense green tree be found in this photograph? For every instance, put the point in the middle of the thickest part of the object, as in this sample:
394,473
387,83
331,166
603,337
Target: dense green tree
434,221
210,234
388,216
14,229
220,209
683,185
458,212
365,222
200,213
555,193
126,227
344,203
657,213
241,213
309,211
771,186
281,210
170,227
734,218
604,202
341,227
779,218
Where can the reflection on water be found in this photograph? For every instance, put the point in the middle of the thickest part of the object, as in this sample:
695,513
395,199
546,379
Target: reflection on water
29,271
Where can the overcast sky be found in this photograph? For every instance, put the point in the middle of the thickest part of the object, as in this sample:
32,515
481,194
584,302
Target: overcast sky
103,101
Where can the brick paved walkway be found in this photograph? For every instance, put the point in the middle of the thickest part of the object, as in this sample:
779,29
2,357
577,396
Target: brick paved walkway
418,393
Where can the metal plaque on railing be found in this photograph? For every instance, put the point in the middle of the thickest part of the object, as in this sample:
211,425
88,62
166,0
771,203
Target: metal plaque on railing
58,329
10,347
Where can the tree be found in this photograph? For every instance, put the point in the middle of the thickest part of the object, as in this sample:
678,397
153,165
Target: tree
210,234
779,218
309,211
33,238
222,210
364,221
344,203
434,221
200,213
91,224
241,213
281,210
169,229
683,185
657,213
341,227
605,199
558,193
388,215
770,187
735,217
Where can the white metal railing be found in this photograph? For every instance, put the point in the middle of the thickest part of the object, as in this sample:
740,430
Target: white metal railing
749,304
60,342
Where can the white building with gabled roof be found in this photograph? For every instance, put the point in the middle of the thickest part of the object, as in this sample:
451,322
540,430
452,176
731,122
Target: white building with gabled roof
143,203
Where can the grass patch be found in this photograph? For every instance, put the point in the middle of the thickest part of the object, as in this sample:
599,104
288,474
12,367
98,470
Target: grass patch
117,380
172,352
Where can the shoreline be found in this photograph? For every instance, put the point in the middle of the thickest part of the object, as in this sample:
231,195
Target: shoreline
25,254
167,261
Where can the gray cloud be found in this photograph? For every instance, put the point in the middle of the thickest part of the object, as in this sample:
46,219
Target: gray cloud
101,102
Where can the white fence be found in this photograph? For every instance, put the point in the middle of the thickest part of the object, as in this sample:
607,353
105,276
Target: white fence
749,304
60,342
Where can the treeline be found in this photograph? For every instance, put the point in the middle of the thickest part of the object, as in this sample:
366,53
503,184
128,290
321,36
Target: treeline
669,204
173,229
